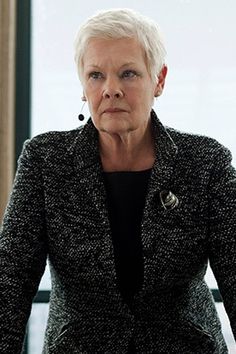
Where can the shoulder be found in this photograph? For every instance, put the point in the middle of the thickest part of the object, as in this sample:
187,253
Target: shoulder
51,143
61,139
199,147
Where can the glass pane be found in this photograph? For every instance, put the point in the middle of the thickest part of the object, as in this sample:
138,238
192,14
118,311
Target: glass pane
228,335
36,328
210,279
201,82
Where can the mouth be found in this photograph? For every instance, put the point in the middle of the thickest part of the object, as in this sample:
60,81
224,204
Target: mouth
114,110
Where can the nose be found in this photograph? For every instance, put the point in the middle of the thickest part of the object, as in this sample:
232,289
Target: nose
112,89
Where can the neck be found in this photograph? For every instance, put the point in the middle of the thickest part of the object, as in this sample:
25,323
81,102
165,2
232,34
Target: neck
132,151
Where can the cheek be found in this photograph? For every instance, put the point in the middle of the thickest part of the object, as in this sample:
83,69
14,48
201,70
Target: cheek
148,96
133,94
93,99
91,91
143,92
140,99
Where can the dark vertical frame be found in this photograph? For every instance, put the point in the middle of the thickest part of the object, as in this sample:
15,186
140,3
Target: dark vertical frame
23,74
23,83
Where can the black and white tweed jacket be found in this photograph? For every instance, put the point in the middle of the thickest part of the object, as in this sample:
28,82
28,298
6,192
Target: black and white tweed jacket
58,209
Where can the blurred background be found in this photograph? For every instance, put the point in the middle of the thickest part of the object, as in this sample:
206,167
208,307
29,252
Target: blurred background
40,90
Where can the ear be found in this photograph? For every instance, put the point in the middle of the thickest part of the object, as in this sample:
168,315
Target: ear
161,81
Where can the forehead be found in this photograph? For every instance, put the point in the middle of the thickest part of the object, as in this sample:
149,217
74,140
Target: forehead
114,51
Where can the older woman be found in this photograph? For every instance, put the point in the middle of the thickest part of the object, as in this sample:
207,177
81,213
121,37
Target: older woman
128,212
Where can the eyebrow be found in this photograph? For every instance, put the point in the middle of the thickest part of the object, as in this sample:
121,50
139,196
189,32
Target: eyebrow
124,65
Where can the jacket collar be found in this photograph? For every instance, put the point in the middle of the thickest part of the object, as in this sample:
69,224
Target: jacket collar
166,152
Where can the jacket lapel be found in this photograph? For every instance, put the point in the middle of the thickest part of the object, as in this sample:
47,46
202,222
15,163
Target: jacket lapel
88,167
161,179
166,151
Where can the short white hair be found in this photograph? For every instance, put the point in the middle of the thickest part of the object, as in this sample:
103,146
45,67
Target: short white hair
123,23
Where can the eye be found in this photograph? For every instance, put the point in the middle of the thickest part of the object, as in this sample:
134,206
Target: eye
95,75
128,74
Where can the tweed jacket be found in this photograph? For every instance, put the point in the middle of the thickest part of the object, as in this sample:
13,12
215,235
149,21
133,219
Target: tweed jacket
58,210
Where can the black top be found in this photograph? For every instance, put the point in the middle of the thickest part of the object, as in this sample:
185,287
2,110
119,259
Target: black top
126,192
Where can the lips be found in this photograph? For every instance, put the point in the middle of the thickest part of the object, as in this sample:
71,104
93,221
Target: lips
113,110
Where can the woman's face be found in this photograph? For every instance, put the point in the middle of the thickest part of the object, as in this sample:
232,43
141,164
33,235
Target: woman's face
117,85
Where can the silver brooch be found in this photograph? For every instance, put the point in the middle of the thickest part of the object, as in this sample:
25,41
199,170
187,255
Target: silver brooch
168,200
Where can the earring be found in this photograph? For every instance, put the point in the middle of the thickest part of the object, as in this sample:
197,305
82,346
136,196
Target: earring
81,116
158,93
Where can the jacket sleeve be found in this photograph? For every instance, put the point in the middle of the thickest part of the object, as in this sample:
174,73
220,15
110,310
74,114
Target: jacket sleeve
22,250
222,230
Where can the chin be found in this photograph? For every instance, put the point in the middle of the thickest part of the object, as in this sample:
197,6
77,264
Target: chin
117,122
116,127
